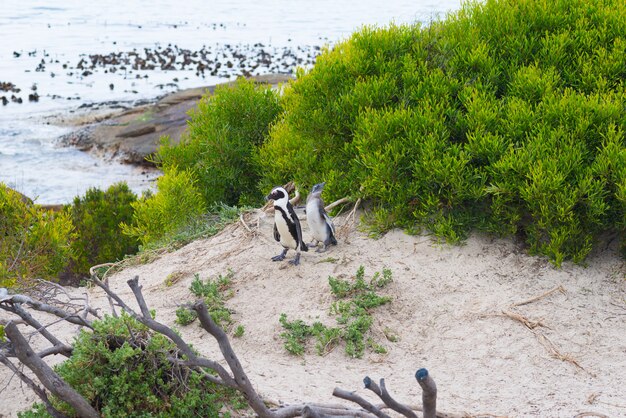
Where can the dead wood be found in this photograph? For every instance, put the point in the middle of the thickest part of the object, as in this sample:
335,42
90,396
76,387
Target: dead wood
353,397
429,393
337,203
240,377
382,393
46,375
558,288
33,386
524,320
8,302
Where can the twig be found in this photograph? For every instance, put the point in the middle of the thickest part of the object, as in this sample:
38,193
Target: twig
147,320
590,414
382,393
558,288
43,307
244,224
337,203
353,397
524,320
92,273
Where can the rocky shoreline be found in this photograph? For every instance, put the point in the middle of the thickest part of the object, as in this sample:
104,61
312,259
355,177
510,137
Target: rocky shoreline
130,134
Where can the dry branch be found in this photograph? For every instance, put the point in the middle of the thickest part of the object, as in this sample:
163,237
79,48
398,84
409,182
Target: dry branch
46,375
337,203
524,320
558,288
243,383
7,302
353,397
429,393
382,393
33,386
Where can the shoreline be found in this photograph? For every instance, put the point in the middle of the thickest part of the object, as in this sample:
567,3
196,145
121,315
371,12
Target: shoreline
132,133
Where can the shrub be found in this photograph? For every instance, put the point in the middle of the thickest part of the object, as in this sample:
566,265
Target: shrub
97,217
220,139
122,370
35,243
214,293
507,117
176,204
355,300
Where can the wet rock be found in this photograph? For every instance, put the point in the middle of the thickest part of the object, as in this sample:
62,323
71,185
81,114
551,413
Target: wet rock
134,134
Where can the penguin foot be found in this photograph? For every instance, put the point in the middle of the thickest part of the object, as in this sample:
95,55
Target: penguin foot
296,260
313,244
281,256
321,249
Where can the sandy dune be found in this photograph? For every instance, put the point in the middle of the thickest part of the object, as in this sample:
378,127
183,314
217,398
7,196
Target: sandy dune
447,310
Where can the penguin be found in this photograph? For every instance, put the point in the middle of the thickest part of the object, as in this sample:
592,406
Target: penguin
287,229
320,224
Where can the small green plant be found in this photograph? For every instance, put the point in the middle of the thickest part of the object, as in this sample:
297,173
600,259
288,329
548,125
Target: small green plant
185,316
355,300
173,278
239,331
214,292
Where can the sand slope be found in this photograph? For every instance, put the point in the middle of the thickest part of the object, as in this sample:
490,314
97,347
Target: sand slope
447,310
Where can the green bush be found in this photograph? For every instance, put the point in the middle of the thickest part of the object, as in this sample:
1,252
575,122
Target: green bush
97,217
221,136
176,204
214,292
355,300
34,243
122,370
508,117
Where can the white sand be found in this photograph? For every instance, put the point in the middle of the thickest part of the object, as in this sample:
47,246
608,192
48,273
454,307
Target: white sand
446,309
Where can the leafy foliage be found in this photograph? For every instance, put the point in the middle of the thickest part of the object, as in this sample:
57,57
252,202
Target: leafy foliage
221,137
176,204
214,293
355,300
35,243
506,117
123,370
96,218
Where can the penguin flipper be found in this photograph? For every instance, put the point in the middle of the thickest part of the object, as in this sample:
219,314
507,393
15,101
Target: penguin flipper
329,221
276,233
296,221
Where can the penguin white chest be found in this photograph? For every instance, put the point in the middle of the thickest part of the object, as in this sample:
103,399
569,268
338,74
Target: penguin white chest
316,222
286,239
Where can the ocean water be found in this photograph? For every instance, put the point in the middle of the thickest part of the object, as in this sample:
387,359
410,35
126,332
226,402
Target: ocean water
44,42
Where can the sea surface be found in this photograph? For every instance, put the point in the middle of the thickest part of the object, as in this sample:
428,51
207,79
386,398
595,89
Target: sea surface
49,50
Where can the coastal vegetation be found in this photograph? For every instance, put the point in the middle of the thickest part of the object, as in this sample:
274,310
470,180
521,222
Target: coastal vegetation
355,299
506,117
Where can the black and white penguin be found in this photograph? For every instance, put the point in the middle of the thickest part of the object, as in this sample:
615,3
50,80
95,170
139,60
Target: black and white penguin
320,224
287,229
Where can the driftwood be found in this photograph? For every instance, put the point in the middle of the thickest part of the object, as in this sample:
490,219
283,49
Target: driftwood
232,375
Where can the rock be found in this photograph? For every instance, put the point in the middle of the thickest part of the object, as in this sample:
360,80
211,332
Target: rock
134,134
